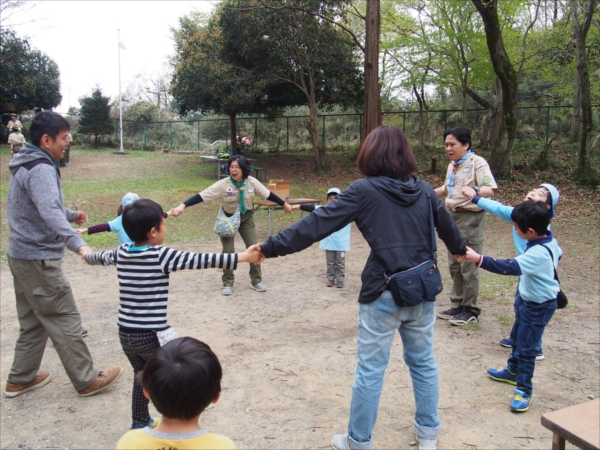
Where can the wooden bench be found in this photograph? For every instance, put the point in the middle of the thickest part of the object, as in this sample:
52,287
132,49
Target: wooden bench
578,424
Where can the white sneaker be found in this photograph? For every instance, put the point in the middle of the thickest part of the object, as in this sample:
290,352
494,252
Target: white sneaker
345,442
427,444
227,290
259,287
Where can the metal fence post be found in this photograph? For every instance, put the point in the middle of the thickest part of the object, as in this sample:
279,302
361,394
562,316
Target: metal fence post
287,133
198,137
547,124
255,132
171,136
323,133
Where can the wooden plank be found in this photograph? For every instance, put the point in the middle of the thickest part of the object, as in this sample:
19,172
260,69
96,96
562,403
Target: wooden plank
578,424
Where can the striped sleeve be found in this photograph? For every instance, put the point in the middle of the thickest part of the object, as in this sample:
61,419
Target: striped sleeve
102,258
172,260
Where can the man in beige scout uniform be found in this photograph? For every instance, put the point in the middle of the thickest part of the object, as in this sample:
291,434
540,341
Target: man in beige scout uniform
466,169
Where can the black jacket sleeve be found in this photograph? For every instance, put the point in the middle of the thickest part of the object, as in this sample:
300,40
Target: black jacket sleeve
308,208
446,227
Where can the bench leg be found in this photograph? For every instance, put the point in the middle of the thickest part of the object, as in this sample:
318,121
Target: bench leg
558,443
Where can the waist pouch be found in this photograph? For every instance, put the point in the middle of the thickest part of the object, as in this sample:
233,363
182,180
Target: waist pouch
416,285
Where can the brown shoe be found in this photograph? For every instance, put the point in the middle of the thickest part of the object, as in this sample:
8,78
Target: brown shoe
102,382
14,390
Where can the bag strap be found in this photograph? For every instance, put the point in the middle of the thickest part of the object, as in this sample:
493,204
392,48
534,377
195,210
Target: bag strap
552,257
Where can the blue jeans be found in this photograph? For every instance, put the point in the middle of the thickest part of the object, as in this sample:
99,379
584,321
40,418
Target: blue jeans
530,321
378,321
539,344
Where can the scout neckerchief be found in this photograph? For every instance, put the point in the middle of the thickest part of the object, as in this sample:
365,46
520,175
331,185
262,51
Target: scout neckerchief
455,169
240,186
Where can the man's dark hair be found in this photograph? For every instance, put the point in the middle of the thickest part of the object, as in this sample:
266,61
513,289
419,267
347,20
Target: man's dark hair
386,151
140,217
182,378
461,134
534,215
47,122
243,163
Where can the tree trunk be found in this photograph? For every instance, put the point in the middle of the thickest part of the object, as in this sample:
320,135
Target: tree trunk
423,116
580,30
313,130
464,102
576,123
233,132
372,105
488,11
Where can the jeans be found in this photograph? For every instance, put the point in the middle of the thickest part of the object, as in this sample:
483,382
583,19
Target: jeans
530,320
378,321
539,344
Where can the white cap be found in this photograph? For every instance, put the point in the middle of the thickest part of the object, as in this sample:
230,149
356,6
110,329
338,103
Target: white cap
335,191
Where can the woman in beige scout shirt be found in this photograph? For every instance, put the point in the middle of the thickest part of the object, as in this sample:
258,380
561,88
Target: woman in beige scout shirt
465,169
228,191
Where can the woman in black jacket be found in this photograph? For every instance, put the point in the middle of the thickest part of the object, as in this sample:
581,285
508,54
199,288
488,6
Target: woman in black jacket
391,208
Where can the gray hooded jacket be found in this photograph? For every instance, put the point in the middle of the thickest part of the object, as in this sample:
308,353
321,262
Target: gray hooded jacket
37,218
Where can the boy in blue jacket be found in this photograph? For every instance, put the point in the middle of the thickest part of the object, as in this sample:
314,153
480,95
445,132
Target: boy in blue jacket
546,193
535,301
335,245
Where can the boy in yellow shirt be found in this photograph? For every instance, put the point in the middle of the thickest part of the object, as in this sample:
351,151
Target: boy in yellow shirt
181,379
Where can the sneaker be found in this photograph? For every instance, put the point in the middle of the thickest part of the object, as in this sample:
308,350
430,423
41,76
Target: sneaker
227,290
345,442
539,354
503,375
427,444
506,342
340,284
259,287
464,317
449,313
152,423
104,380
521,401
84,332
14,390
329,283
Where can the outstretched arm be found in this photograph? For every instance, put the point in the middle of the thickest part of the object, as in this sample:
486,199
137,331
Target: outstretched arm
172,260
101,258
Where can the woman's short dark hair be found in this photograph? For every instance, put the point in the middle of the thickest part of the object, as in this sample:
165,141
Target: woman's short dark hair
534,215
243,163
386,151
182,378
462,135
140,217
47,122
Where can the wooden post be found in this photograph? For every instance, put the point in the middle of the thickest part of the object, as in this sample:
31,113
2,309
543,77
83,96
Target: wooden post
433,165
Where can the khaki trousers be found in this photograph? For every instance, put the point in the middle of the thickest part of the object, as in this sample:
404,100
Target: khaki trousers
247,232
46,308
465,276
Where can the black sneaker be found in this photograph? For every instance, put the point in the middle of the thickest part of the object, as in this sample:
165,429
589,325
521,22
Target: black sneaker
84,332
449,313
466,316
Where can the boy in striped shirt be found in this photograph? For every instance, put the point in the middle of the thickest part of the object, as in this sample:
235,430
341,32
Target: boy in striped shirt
143,271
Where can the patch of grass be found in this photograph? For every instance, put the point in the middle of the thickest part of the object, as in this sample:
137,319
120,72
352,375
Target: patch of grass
505,319
556,317
503,302
470,327
494,287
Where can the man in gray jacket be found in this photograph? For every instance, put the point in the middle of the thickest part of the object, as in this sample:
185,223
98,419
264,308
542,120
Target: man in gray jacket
39,231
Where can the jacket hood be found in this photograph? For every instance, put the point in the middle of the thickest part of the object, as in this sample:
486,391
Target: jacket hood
27,154
403,193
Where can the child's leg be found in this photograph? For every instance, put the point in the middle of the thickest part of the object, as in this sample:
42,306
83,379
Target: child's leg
533,318
138,348
330,255
340,267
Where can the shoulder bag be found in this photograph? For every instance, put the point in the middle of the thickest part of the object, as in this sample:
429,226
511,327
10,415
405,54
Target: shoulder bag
561,298
227,226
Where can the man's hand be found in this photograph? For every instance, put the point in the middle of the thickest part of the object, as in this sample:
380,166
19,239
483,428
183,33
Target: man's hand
81,218
469,192
84,250
253,255
176,212
288,208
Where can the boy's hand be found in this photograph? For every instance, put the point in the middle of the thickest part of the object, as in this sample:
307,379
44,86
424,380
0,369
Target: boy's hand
469,192
253,255
81,218
295,207
471,256
81,230
288,208
85,250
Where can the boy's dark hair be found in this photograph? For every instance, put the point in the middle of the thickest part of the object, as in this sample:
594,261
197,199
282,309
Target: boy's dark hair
534,215
461,134
548,196
47,122
140,217
243,163
182,378
386,151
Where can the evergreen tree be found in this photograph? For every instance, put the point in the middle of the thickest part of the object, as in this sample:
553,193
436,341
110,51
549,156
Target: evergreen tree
95,115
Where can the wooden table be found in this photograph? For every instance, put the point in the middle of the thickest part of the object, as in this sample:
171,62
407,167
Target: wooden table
272,206
578,424
218,161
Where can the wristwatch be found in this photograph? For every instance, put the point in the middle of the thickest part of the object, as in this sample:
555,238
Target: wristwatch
477,190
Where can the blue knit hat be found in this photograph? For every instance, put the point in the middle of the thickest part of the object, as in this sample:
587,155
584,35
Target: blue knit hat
128,199
554,196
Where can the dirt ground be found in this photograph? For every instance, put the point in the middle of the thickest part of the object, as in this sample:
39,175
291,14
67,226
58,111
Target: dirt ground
289,355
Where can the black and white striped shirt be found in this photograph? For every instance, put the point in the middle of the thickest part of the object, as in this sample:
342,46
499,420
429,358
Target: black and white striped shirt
143,275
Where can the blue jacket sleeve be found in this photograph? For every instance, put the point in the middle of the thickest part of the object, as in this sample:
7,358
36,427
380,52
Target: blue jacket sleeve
495,208
501,266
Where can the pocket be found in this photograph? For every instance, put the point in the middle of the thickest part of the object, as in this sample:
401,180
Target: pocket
54,300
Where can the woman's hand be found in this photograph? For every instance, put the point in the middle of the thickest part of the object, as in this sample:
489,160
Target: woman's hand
176,212
252,255
287,208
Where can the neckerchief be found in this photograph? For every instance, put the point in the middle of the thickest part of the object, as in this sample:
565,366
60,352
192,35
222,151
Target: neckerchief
241,187
455,169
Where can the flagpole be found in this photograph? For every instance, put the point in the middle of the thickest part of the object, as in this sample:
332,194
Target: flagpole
120,103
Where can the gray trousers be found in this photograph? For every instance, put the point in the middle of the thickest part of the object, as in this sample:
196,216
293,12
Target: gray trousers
465,275
247,231
46,308
336,266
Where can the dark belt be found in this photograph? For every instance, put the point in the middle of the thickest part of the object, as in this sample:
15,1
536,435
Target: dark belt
461,209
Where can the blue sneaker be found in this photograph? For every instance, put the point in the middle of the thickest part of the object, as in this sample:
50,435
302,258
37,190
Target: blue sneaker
152,423
521,401
503,375
506,342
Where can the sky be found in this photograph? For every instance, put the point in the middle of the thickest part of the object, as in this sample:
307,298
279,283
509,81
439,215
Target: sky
81,37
